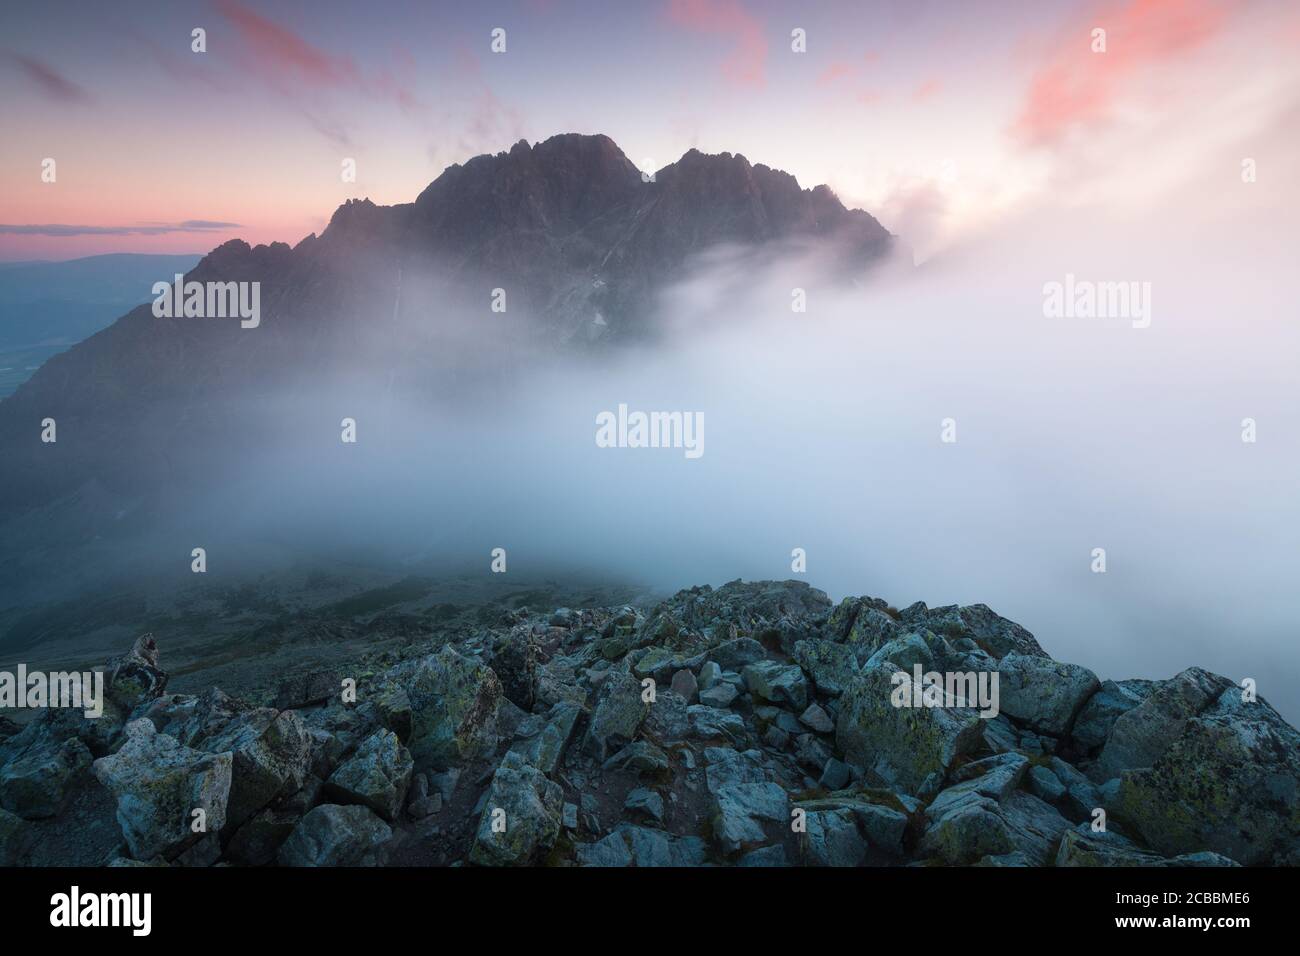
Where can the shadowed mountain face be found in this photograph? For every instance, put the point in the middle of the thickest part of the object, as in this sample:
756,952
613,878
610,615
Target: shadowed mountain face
400,299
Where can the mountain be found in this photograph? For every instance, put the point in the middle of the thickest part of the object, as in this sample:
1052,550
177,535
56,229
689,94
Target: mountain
400,298
47,306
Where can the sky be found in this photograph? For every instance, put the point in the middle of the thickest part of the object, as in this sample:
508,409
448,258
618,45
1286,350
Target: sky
942,119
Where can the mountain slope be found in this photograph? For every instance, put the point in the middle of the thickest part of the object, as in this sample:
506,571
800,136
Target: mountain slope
400,297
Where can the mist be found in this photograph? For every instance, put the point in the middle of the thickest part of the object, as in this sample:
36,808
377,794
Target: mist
822,431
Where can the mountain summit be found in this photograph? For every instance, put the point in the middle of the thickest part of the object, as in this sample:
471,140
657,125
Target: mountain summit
565,243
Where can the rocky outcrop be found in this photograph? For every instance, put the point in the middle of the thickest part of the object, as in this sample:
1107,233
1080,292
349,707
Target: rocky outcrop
785,732
168,795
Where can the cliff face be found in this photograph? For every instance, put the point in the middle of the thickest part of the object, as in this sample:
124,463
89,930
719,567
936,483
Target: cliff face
756,724
569,229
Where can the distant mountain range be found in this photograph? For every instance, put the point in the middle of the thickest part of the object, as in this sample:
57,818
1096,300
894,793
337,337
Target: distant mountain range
47,306
567,235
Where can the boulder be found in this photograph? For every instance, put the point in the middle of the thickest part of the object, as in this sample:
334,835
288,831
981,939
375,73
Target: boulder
1041,693
685,685
778,683
817,719
1082,846
307,688
377,775
1141,735
646,804
522,816
830,665
903,652
620,711
1097,718
739,809
271,753
901,745
135,677
739,652
37,770
258,841
720,695
831,838
159,783
545,749
331,835
1229,784
454,701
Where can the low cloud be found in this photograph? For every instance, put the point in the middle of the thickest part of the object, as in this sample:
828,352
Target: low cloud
140,229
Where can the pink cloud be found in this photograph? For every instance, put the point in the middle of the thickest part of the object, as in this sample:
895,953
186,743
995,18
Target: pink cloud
1076,88
278,50
746,65
927,89
292,63
53,83
836,70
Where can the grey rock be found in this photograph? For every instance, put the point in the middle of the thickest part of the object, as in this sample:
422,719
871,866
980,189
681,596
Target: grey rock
546,749
685,685
830,665
135,677
1142,734
619,714
1229,784
37,770
835,775
454,701
377,775
640,756
1098,716
331,835
734,654
817,719
831,838
740,808
777,682
710,674
719,695
710,723
532,807
901,745
1042,693
159,783
765,856
645,803
1084,847
725,767
903,652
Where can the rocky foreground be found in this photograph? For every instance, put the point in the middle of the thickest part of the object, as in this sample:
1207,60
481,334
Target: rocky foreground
748,725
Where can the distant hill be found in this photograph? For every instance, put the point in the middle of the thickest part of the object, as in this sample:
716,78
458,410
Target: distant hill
45,307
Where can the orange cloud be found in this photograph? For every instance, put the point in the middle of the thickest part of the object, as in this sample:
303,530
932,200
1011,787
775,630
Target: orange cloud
747,63
1077,88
